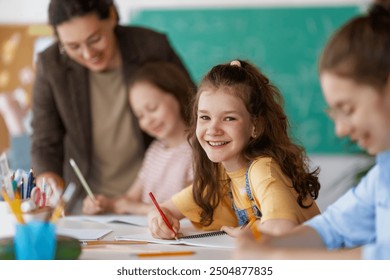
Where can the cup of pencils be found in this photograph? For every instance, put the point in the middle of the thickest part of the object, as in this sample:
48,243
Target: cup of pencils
35,209
35,240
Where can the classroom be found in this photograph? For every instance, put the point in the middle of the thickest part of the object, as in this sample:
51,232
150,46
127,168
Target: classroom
283,38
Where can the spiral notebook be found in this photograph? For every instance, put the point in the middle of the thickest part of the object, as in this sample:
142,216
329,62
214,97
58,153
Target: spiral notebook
212,239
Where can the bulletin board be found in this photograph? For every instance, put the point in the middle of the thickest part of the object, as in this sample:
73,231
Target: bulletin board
19,45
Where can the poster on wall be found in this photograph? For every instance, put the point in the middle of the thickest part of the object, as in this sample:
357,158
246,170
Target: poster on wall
19,45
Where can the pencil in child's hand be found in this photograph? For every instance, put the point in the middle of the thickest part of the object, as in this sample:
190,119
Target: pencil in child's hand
82,179
255,231
244,225
162,214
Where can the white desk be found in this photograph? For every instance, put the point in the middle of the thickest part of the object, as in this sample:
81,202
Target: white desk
128,251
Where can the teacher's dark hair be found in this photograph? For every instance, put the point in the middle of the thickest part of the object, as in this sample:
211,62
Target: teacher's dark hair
61,11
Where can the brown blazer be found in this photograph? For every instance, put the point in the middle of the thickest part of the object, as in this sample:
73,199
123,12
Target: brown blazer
61,109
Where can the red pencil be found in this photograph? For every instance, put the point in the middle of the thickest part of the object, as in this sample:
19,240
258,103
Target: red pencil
161,213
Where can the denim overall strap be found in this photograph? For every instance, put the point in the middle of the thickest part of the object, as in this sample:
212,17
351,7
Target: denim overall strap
242,214
255,209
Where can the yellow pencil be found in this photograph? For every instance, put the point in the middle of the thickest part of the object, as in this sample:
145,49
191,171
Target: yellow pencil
164,254
14,205
255,231
111,242
66,196
57,213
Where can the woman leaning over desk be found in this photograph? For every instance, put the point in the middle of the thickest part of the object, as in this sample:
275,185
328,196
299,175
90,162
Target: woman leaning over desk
80,107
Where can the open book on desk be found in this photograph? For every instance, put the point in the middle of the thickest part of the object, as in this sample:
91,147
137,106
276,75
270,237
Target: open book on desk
82,230
215,239
84,234
137,220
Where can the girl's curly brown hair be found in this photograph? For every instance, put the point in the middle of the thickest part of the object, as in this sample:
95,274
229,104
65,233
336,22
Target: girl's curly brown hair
265,104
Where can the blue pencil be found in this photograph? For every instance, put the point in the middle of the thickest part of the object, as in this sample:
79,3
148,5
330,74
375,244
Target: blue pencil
30,183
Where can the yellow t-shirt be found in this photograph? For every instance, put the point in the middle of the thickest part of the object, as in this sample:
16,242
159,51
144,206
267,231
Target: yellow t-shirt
271,189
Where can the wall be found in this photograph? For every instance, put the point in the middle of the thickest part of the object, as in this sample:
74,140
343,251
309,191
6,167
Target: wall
336,169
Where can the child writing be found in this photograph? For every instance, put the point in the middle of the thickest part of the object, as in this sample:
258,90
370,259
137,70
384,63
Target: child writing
158,96
355,78
245,165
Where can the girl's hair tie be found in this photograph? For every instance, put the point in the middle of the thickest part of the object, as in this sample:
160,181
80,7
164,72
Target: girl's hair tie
235,63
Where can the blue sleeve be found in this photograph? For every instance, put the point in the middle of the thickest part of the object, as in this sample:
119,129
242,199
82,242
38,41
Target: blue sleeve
376,252
350,221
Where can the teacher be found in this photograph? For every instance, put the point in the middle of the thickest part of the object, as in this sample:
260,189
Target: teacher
80,107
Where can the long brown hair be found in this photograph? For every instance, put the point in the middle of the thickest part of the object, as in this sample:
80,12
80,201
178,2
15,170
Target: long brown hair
169,78
265,105
360,49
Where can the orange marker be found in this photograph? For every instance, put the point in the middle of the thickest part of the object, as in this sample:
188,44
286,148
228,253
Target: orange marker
165,254
110,242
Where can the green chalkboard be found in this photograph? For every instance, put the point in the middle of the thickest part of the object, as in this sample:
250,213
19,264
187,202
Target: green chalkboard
284,43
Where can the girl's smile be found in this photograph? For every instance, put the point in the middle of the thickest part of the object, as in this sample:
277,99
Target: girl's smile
224,128
158,113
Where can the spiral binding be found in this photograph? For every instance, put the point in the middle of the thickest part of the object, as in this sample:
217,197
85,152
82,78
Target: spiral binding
206,234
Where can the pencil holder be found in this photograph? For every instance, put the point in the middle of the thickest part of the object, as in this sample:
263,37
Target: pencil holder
35,240
7,221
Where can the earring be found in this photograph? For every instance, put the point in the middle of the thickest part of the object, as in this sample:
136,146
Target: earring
61,48
254,134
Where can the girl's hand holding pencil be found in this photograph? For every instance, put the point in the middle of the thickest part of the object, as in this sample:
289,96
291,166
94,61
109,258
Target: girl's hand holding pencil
162,223
100,205
159,228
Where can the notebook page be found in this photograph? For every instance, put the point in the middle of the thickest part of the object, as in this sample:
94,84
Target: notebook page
138,220
82,230
83,234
